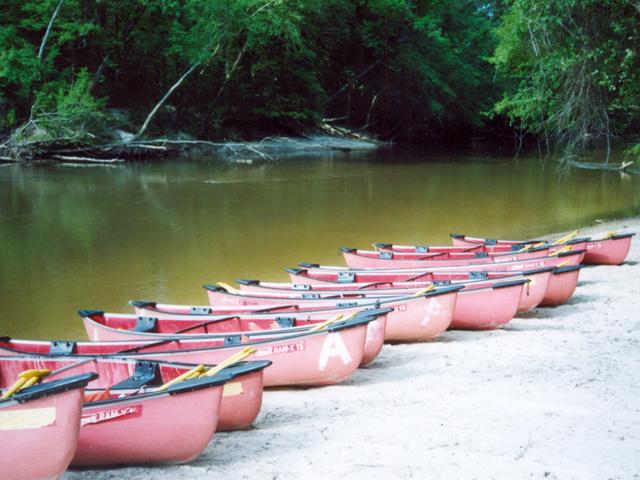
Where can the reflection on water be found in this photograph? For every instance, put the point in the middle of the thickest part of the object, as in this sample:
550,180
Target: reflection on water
97,237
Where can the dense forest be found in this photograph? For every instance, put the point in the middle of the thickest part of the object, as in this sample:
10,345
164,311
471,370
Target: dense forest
84,72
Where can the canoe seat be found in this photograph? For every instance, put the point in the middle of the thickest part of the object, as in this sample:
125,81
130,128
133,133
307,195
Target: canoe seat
346,277
200,310
477,275
285,322
62,348
145,373
233,340
299,286
441,283
145,324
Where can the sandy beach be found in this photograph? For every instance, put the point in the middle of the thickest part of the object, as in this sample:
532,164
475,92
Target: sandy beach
555,394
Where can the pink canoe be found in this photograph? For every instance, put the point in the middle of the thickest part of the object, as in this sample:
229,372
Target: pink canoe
355,258
39,426
556,285
246,326
532,294
291,318
562,284
414,318
609,250
481,304
308,358
489,248
241,399
130,421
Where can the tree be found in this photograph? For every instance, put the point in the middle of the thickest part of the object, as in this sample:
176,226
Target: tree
573,69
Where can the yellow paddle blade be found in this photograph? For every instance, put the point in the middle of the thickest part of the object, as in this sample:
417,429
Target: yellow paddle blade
227,287
235,358
560,250
610,235
566,238
194,372
26,379
14,388
424,290
526,248
34,373
563,264
325,324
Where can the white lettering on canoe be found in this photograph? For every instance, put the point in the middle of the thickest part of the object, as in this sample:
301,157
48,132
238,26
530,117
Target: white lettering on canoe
105,415
510,258
528,265
434,308
400,308
27,418
286,348
591,246
333,346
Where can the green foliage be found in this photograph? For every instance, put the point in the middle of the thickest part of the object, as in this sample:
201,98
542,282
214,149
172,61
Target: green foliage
571,67
419,70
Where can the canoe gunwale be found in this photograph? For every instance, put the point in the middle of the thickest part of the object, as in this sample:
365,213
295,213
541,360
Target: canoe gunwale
47,389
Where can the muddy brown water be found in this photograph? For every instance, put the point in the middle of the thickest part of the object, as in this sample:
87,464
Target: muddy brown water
95,237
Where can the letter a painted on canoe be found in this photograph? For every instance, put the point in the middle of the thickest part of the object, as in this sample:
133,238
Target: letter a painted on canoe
434,308
333,346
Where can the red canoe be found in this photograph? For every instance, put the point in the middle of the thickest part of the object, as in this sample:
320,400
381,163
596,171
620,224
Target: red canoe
563,280
576,244
39,426
481,304
559,259
355,258
241,399
139,427
245,325
611,249
414,318
309,358
531,297
250,320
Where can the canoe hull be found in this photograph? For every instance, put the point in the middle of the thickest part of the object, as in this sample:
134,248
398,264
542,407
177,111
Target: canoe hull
486,309
39,438
561,287
612,251
182,426
421,321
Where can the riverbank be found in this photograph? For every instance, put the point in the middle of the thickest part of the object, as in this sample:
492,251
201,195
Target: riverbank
555,394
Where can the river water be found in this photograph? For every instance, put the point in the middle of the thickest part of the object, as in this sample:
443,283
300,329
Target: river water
95,237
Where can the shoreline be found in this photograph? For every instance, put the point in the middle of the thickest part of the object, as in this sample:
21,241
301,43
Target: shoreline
554,394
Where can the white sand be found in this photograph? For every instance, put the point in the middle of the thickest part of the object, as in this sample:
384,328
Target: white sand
555,394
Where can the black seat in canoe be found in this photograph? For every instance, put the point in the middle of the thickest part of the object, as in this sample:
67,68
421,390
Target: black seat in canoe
145,373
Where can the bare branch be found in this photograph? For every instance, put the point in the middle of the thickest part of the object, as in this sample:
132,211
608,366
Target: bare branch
43,44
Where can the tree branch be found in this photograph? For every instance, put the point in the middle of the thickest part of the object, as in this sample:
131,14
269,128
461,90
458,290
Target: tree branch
48,31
